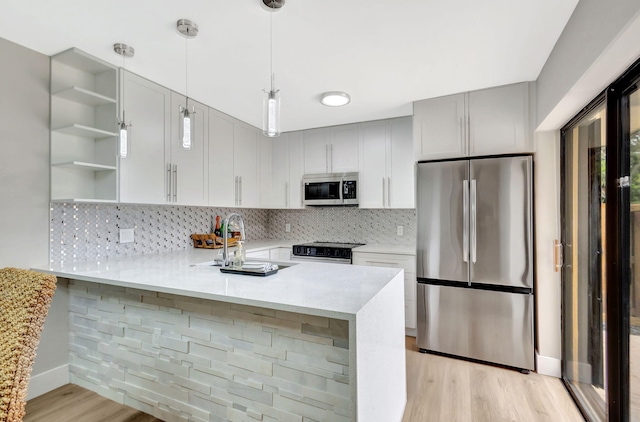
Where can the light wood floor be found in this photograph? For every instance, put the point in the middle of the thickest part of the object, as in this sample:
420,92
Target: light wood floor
438,389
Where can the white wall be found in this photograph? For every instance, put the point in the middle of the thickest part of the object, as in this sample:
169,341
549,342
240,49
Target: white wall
24,187
599,42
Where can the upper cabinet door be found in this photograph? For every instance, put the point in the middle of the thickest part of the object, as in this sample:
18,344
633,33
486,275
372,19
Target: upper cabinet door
296,169
316,151
189,175
373,165
499,120
280,172
245,165
400,170
344,149
143,174
439,128
222,186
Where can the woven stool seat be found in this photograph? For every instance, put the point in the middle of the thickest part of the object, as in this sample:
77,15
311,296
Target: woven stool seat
25,297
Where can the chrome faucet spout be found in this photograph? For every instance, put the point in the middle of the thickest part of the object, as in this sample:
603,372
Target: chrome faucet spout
225,236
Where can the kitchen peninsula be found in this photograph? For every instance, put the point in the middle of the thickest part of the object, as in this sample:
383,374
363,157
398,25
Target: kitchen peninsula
170,335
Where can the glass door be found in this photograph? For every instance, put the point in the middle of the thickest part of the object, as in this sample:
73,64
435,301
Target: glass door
630,112
584,272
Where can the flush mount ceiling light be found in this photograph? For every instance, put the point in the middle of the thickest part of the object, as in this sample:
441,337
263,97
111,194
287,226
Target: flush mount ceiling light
271,103
189,30
335,98
123,126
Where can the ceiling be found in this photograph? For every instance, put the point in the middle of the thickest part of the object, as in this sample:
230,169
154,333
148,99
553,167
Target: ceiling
385,54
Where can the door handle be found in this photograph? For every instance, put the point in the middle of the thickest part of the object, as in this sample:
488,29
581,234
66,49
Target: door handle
473,230
240,192
558,256
384,200
465,220
175,183
168,182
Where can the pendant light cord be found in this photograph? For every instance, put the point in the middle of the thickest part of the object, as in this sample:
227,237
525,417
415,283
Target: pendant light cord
186,71
123,76
271,46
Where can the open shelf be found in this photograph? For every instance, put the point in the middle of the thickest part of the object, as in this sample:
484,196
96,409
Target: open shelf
84,96
85,166
84,131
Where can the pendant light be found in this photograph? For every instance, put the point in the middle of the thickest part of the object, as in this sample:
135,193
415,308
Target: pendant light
189,30
123,126
271,103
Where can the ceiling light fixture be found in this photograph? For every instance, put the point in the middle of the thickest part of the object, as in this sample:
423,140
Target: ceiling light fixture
123,126
189,30
271,103
335,98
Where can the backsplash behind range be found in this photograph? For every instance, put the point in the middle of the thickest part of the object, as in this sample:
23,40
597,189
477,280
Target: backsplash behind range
81,232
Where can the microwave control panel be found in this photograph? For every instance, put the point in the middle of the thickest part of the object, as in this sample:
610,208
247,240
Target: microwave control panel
349,189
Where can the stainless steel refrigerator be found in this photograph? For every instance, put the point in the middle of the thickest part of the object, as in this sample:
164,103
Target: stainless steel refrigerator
475,259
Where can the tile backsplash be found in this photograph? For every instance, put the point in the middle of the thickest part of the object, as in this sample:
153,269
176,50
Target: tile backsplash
81,232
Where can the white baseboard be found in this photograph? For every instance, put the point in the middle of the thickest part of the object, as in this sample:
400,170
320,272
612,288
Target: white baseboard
546,365
48,381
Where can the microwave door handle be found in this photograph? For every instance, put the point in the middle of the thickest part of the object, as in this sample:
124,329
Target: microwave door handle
342,185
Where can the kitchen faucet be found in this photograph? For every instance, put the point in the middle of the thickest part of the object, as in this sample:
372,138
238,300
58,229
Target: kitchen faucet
225,236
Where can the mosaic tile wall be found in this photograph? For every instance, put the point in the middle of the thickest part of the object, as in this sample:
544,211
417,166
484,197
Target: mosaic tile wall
82,232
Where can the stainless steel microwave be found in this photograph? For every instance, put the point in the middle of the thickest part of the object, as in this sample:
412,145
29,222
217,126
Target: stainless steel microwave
333,189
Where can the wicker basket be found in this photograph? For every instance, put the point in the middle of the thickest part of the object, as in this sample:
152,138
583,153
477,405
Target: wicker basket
211,241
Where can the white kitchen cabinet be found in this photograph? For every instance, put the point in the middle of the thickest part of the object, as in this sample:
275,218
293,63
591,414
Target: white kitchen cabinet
264,254
485,122
332,149
84,165
280,254
265,158
499,120
245,165
157,169
145,174
189,167
222,186
390,260
287,169
386,164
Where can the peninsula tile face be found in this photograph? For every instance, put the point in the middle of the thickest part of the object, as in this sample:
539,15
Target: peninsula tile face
190,359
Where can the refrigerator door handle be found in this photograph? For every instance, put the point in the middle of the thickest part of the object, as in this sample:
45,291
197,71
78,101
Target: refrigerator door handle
465,220
473,221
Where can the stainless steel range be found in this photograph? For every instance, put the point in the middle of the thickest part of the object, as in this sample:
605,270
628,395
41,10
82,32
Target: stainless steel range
329,252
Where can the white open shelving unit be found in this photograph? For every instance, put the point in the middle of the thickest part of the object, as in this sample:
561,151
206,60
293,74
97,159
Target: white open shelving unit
84,114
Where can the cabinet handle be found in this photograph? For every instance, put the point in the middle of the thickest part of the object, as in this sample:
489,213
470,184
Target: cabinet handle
168,182
558,256
286,194
384,199
301,194
389,192
326,156
175,183
462,143
240,191
235,193
331,156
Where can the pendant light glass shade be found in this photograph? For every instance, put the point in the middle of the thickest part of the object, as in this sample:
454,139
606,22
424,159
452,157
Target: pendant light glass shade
123,140
271,114
187,127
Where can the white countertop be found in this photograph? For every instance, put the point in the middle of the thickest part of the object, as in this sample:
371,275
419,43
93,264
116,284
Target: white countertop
332,290
391,249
